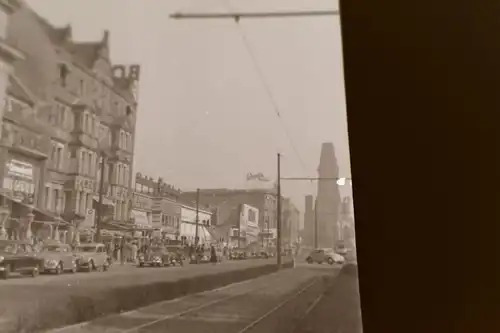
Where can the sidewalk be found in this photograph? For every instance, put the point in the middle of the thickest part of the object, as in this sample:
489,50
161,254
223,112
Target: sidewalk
339,309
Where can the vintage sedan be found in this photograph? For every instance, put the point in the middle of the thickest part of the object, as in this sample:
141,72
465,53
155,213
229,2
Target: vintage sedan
158,256
58,258
18,257
91,257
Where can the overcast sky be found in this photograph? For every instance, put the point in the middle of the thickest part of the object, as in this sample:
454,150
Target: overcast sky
205,119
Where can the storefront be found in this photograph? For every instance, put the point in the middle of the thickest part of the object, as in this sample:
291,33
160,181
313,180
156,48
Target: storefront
167,218
142,210
21,179
249,225
188,225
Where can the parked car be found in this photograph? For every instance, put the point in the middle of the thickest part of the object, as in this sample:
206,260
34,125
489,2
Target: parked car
91,256
325,255
263,254
158,257
58,258
18,257
341,249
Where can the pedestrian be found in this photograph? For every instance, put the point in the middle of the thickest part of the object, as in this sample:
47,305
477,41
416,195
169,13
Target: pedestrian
134,252
122,251
213,255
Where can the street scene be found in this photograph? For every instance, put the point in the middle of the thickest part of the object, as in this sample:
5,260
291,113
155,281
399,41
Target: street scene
135,193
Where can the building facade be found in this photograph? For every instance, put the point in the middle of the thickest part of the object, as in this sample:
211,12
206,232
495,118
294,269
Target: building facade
226,201
165,210
70,114
328,198
308,231
291,222
189,226
348,233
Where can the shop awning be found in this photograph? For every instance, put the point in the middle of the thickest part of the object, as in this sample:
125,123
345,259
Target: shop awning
125,227
105,200
41,216
140,218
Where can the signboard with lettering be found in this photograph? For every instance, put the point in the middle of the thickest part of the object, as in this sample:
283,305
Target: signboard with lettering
85,184
142,202
19,180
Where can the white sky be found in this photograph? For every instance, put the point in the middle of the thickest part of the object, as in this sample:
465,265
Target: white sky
205,119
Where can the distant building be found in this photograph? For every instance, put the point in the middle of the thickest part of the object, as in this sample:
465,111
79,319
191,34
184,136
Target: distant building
165,212
290,223
225,203
328,198
188,225
308,231
347,231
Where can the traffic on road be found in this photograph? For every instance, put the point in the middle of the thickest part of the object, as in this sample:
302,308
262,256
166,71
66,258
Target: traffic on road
21,258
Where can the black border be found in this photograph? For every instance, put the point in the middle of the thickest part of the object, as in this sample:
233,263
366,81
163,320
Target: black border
423,104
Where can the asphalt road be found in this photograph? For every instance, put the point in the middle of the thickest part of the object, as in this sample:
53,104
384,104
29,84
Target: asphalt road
121,275
273,303
22,294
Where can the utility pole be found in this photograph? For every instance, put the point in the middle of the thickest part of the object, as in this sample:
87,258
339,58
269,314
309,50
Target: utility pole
101,194
239,226
196,238
278,243
316,223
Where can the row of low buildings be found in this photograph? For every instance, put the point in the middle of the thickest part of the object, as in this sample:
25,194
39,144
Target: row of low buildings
68,122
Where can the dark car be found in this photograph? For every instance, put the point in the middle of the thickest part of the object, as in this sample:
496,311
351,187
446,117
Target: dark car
19,257
158,257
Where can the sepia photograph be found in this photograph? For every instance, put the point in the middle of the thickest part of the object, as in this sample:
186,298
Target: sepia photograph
175,166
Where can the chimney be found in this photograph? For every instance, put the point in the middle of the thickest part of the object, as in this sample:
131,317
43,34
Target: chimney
105,38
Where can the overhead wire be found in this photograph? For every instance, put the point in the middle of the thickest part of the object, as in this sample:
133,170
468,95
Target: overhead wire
266,86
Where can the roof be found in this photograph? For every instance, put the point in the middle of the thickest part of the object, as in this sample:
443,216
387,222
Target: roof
85,53
232,191
17,90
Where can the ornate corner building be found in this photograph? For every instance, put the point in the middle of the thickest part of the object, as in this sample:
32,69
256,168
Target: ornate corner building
69,114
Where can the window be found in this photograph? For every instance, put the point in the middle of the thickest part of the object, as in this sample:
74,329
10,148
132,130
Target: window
47,197
54,204
83,203
59,162
82,87
63,74
86,123
8,104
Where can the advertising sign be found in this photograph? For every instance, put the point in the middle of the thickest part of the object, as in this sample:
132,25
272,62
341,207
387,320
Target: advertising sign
19,180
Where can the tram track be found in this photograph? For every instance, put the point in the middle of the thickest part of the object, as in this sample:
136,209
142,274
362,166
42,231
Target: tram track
249,306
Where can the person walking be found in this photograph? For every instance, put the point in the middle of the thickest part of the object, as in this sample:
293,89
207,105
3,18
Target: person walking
122,250
213,255
134,251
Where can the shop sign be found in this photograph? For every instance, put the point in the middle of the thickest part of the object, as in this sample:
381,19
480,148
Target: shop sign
142,202
85,184
20,181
